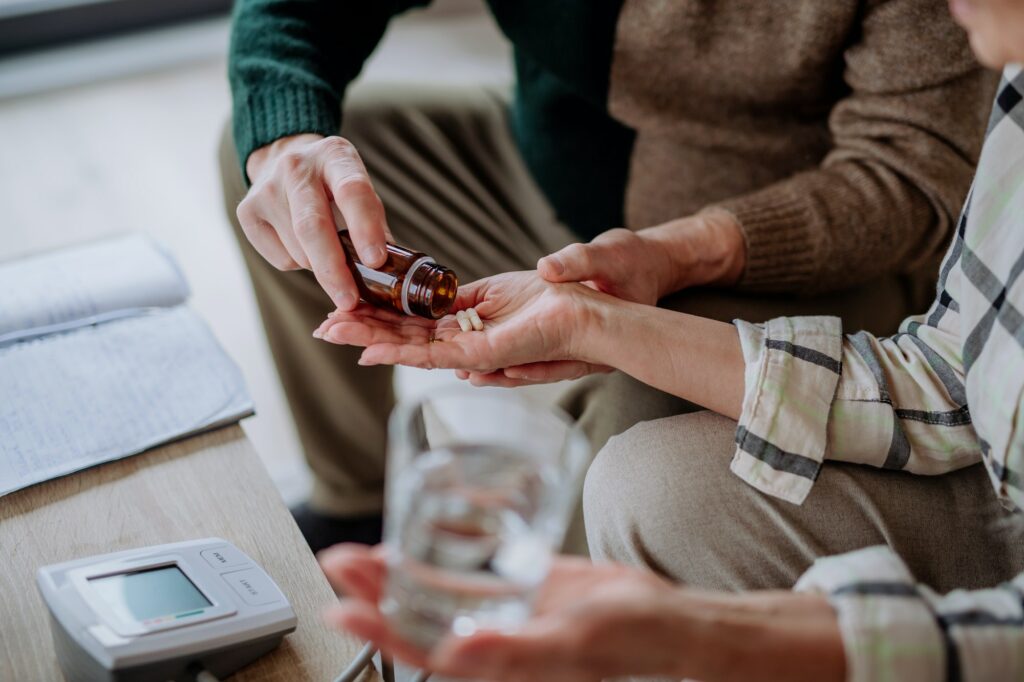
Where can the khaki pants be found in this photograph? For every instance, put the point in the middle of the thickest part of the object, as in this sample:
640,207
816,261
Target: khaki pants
661,495
454,186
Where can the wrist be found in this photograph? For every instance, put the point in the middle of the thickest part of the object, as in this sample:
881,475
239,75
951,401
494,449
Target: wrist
706,248
259,159
757,635
600,318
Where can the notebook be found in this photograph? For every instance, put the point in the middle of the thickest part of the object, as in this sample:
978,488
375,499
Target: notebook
101,358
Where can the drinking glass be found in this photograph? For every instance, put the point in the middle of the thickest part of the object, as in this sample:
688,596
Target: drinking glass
480,489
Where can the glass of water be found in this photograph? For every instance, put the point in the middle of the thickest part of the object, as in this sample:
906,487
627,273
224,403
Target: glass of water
481,485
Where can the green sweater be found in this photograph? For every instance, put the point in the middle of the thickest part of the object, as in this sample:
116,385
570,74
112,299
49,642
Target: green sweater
291,61
842,134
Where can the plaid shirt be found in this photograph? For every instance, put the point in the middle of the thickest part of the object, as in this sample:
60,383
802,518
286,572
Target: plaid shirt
945,392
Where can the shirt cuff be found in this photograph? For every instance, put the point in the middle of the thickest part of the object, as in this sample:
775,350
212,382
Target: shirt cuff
793,366
889,630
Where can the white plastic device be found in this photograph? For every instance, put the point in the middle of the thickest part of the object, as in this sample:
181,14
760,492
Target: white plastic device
163,612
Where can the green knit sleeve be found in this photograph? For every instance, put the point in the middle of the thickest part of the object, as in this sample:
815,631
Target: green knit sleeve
291,60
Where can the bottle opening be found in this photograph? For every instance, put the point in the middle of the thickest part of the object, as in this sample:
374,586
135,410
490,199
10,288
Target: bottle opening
429,290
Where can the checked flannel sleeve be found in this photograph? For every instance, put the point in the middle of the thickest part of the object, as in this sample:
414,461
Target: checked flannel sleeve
896,630
943,393
813,394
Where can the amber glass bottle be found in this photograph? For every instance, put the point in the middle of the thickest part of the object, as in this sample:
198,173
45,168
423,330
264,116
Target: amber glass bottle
409,282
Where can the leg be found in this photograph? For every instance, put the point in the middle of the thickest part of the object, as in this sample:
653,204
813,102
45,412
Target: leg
453,185
607,405
661,495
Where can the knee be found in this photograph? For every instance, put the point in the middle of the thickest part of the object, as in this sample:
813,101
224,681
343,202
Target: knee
652,493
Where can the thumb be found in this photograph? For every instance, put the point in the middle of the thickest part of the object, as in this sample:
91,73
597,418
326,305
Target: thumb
574,263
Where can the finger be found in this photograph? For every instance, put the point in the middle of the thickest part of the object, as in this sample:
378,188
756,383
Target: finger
496,379
370,332
274,210
550,372
368,311
574,263
367,325
470,295
353,193
317,236
263,237
491,655
366,622
447,355
354,570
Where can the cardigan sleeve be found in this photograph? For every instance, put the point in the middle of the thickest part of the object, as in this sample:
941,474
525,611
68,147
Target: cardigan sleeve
905,139
290,62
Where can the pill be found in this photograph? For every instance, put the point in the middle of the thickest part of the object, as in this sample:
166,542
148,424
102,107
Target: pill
463,320
474,319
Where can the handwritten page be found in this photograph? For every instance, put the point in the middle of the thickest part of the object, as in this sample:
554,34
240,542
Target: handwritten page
76,399
86,285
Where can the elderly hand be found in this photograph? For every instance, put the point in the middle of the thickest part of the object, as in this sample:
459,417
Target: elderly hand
528,321
646,265
596,621
641,267
287,215
590,622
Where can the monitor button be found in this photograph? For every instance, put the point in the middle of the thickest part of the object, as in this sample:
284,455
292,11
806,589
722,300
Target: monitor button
106,636
225,557
254,587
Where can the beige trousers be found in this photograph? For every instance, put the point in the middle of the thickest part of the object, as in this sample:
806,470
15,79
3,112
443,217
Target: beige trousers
454,186
661,495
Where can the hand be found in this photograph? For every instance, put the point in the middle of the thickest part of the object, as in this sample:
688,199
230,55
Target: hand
528,320
287,214
590,622
646,265
596,621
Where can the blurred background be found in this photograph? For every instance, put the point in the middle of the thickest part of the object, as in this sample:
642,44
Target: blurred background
110,114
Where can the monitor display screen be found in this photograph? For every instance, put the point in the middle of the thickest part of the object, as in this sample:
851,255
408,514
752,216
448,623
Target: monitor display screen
150,593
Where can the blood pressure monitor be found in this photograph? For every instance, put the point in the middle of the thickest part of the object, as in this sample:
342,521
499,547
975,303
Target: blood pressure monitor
163,612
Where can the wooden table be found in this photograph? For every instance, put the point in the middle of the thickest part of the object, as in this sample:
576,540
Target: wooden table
209,485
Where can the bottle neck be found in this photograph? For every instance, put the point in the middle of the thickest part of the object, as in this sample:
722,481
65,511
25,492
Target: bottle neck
412,286
429,289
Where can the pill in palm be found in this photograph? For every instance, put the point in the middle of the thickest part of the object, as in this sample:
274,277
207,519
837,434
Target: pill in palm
474,319
463,319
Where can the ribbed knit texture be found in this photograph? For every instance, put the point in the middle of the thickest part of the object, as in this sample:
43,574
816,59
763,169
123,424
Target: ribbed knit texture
842,134
782,246
262,116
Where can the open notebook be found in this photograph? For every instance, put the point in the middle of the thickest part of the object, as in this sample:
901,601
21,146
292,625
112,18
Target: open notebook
101,359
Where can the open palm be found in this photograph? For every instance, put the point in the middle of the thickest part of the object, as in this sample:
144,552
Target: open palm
589,622
528,320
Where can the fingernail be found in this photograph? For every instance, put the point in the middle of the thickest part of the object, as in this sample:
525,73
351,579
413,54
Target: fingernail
364,362
556,264
372,254
346,301
317,334
331,314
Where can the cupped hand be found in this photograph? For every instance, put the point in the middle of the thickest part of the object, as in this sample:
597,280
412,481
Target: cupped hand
287,214
527,321
590,621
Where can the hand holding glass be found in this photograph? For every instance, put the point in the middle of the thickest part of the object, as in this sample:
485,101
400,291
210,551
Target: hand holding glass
480,489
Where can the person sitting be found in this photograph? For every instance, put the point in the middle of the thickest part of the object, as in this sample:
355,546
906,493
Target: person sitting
819,173
941,400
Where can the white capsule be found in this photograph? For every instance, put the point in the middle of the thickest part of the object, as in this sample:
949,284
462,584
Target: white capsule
463,320
474,319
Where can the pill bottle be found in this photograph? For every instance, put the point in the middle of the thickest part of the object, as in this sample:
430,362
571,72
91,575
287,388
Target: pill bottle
409,282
